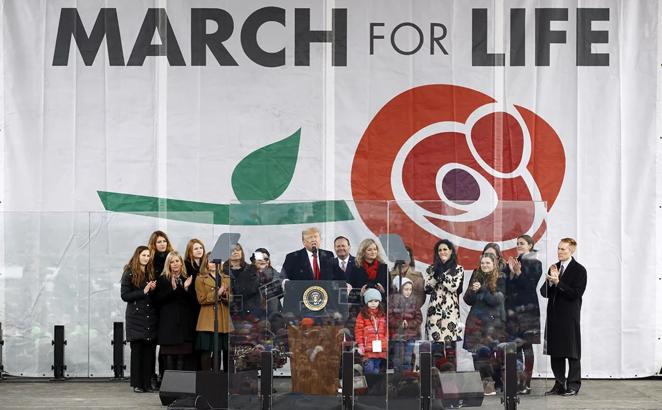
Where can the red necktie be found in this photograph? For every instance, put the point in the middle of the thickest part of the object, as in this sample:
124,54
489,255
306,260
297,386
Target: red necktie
316,268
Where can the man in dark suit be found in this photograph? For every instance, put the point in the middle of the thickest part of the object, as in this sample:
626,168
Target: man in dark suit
565,285
344,261
310,263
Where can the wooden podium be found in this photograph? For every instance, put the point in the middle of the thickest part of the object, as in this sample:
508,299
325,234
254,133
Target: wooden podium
317,313
315,360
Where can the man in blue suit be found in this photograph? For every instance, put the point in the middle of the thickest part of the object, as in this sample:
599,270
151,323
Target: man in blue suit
311,263
344,261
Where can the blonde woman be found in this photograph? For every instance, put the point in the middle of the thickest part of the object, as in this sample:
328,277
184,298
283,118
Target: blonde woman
371,270
174,294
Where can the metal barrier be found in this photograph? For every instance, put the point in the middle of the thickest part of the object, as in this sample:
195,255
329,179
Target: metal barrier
58,342
2,367
118,344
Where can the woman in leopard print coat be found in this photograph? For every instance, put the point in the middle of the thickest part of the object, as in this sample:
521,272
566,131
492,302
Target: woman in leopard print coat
443,282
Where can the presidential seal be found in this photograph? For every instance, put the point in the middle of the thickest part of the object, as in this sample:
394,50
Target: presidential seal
315,298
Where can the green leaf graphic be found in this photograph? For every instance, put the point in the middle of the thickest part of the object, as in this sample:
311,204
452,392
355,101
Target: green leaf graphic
265,173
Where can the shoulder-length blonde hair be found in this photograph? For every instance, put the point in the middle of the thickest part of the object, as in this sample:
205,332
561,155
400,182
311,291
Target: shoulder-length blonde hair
360,253
166,266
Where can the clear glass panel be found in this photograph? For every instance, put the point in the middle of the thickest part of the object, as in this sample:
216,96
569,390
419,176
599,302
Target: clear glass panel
64,268
475,326
112,239
45,282
306,322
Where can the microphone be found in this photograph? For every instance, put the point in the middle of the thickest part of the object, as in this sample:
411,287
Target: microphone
314,250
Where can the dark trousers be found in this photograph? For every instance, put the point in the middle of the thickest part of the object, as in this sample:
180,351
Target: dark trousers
525,353
574,379
142,363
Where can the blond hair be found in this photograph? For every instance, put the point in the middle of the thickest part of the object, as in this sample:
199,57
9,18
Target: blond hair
360,253
309,231
166,266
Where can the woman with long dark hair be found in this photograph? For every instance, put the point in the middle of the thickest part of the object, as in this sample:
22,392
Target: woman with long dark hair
174,293
193,256
443,282
137,290
522,308
485,325
159,246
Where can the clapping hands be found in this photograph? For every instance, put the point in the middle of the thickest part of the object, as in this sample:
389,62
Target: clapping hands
553,275
515,266
150,286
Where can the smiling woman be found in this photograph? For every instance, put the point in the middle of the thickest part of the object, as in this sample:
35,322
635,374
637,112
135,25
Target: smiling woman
175,296
443,282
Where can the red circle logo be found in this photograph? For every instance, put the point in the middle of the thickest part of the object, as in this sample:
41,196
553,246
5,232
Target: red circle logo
443,161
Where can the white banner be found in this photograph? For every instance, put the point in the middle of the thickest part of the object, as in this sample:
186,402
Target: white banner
510,117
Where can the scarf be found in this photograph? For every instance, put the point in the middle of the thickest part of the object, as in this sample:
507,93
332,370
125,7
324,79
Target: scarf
371,269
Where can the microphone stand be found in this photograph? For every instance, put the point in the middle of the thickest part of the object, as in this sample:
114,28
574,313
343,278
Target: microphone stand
217,280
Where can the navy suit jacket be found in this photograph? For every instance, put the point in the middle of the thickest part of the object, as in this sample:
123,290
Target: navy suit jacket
349,269
297,266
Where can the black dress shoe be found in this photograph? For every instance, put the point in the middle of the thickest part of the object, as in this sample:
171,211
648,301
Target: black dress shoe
570,392
138,390
555,391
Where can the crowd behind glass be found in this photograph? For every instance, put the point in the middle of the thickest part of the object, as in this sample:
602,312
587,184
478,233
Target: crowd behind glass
170,303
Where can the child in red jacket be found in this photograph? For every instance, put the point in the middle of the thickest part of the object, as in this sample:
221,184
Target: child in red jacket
371,333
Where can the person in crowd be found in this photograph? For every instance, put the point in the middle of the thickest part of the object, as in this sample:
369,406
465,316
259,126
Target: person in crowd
311,262
485,325
404,323
370,270
564,288
371,333
344,259
443,282
237,262
137,290
407,270
205,287
159,247
270,293
522,308
266,275
195,252
245,286
495,250
174,294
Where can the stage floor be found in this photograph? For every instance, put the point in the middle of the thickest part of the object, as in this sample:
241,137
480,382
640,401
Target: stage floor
595,394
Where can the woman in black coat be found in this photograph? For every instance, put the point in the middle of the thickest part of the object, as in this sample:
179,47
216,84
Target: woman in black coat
137,290
159,247
174,294
193,258
485,325
370,270
522,308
